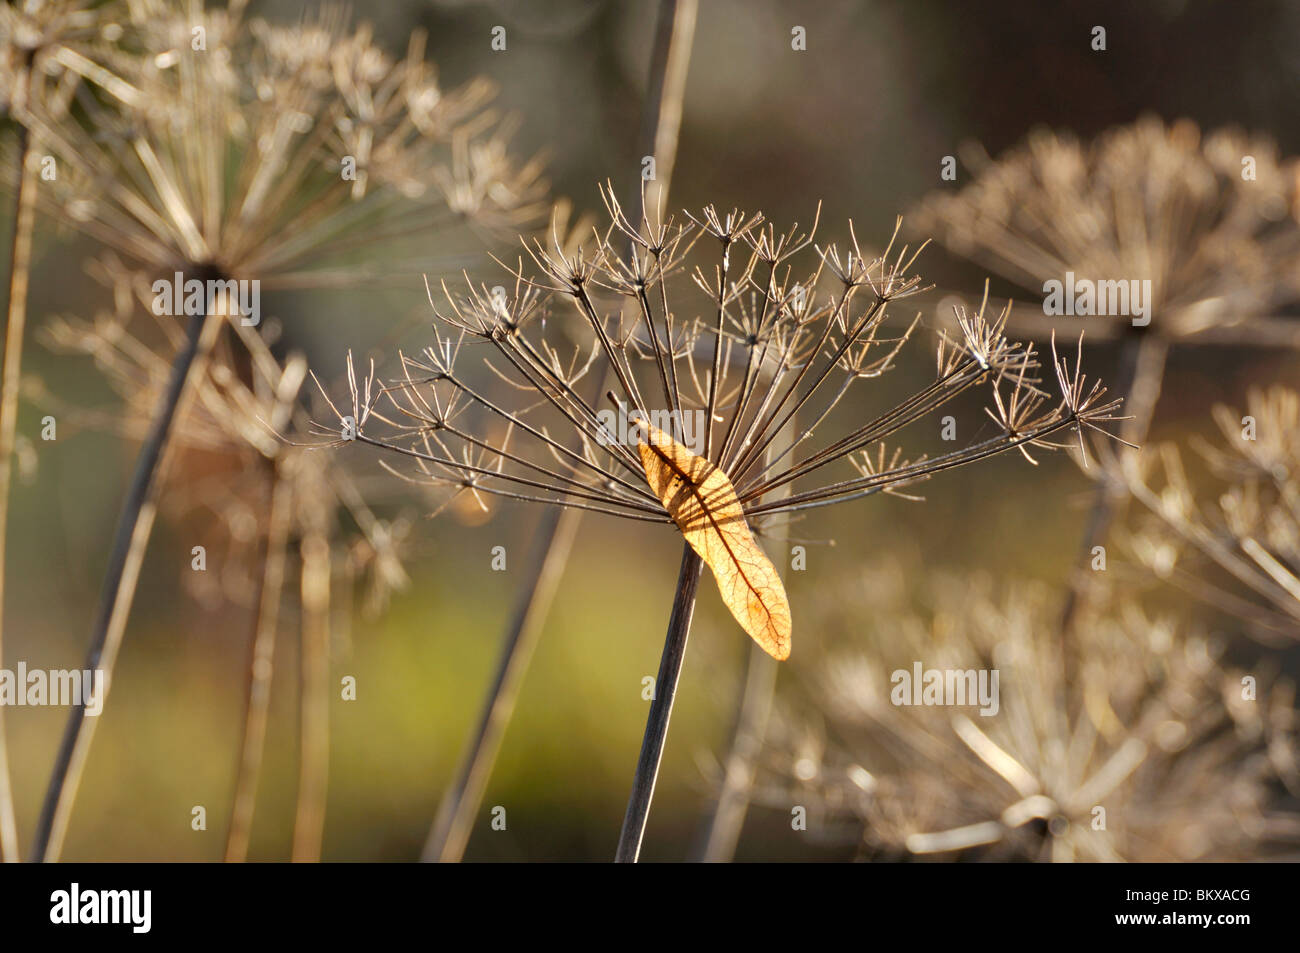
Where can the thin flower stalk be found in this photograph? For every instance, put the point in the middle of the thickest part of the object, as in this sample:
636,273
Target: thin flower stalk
243,404
46,49
16,322
557,528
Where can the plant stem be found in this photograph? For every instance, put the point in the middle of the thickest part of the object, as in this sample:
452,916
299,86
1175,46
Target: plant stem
129,543
738,770
661,709
313,776
661,121
262,656
661,115
20,262
451,828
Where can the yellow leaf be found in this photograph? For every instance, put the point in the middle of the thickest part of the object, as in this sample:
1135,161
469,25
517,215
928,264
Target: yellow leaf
702,502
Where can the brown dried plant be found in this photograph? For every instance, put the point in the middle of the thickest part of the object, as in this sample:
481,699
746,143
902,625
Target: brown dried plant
1158,750
765,341
1210,220
1214,233
1236,549
47,48
661,114
294,157
273,506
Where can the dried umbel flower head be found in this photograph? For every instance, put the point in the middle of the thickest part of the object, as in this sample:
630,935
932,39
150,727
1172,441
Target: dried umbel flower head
1156,751
777,327
289,155
1209,221
1236,548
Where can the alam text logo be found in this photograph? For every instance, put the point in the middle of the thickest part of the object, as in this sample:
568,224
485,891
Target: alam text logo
64,688
197,296
1105,298
686,427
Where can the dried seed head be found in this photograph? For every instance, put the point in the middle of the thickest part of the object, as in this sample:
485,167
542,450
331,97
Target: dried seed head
1153,729
334,148
731,355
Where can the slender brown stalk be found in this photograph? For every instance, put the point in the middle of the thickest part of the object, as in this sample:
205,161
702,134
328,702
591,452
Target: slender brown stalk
20,260
661,115
134,527
740,767
661,122
451,828
661,709
313,776
260,669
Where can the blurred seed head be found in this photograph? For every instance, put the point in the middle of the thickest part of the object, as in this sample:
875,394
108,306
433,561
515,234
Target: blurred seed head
230,449
1148,201
1229,535
1155,729
293,155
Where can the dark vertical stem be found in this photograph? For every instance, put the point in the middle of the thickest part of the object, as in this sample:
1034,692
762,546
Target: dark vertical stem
661,709
661,120
130,540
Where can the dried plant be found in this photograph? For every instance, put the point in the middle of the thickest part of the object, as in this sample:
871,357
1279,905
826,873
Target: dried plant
1209,221
267,499
1238,552
47,47
765,343
1159,750
1147,201
660,124
287,156
334,146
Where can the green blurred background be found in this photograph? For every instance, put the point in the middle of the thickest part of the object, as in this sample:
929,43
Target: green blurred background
860,121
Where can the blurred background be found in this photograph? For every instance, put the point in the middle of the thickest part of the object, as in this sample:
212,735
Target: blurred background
860,122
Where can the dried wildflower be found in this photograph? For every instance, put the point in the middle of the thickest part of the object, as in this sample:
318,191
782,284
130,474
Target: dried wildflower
1160,236
228,172
334,147
695,369
1239,553
46,48
1156,753
247,400
267,498
1209,221
766,342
